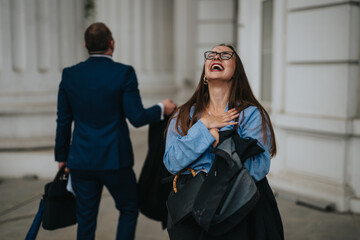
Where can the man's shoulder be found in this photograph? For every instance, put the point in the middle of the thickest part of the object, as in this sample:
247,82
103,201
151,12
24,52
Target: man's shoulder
73,67
122,65
110,66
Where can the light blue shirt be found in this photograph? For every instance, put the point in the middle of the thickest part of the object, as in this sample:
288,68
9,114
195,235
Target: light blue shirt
193,150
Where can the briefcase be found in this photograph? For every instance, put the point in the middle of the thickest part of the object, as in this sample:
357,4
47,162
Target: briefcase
59,204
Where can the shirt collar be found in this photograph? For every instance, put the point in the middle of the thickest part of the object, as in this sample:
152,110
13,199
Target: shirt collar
101,55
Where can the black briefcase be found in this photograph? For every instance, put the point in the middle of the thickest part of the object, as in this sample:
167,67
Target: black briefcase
59,204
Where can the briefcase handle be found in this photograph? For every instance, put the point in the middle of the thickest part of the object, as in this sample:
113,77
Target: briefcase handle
178,174
61,174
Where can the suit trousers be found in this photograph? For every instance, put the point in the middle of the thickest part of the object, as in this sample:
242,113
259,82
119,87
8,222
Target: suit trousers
88,187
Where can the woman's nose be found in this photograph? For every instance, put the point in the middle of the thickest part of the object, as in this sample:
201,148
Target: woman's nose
217,56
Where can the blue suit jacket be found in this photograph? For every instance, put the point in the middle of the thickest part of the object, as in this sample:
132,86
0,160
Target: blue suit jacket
98,95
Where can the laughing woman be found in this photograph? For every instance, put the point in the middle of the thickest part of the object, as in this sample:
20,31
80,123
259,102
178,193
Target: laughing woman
223,100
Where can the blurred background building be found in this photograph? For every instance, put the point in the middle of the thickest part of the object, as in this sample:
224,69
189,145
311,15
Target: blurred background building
301,57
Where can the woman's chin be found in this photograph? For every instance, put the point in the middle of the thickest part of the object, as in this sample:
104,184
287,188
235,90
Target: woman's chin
219,80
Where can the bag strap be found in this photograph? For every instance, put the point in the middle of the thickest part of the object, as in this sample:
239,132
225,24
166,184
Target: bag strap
178,174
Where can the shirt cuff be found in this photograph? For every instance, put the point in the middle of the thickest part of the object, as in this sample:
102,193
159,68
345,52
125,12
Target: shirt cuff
161,105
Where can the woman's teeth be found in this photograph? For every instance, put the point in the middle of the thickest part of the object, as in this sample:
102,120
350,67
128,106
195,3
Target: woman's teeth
217,67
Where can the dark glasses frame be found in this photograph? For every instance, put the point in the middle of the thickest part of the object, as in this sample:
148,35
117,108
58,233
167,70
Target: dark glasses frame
221,55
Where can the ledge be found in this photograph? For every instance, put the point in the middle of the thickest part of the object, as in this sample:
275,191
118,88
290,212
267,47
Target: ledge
356,127
26,143
27,109
310,191
317,124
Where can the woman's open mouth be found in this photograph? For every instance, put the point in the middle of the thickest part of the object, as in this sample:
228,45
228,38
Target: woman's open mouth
216,67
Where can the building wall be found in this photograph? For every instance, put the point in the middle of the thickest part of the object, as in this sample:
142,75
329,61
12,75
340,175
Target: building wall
316,100
314,103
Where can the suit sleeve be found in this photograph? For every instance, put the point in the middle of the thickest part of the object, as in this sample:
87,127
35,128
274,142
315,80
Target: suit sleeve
64,121
133,107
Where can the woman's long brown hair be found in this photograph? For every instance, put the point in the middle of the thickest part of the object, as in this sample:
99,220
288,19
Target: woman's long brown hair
241,97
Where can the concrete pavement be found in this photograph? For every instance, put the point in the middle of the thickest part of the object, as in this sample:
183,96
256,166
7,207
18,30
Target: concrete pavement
19,199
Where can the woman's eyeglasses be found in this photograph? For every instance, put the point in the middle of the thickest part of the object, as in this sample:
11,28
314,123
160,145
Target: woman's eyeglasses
223,55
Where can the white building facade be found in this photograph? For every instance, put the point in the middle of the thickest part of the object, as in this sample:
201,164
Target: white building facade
301,57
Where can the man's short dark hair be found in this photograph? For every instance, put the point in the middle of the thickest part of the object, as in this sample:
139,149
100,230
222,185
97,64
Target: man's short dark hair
98,37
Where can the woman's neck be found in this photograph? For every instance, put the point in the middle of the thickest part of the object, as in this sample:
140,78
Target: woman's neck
219,95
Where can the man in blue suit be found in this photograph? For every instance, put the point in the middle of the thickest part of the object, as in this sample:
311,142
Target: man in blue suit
98,95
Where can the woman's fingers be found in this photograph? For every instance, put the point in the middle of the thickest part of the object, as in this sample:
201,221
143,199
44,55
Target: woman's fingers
232,111
229,117
225,119
235,115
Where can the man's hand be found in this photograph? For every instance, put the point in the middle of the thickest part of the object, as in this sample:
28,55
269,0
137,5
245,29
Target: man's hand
212,121
169,106
215,133
61,164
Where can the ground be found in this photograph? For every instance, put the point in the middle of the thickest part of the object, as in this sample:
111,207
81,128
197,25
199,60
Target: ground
20,198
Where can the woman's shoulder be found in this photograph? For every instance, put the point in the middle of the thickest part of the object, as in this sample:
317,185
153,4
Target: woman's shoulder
176,113
250,111
250,116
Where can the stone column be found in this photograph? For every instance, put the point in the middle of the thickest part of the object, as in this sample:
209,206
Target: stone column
142,40
43,32
67,33
149,34
38,39
315,101
138,37
125,47
249,41
18,34
1,39
185,56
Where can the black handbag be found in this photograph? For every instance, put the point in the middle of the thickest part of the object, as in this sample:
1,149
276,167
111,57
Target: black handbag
59,204
181,199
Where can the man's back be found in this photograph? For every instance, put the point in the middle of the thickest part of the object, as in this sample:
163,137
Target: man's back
99,94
